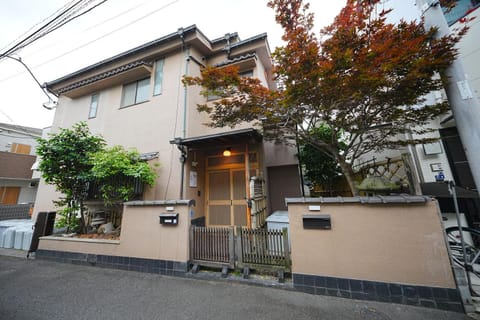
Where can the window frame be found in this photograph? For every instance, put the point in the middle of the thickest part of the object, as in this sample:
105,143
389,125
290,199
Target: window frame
135,99
97,100
158,77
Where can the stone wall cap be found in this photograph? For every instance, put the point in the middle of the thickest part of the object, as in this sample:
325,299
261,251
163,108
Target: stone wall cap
394,199
160,203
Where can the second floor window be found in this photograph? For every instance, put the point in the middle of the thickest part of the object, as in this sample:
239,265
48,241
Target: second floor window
135,92
93,106
157,87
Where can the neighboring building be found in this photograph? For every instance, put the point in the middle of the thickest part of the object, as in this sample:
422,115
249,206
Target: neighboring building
137,99
17,156
422,164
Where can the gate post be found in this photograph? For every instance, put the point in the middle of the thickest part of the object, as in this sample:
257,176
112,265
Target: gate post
191,255
286,247
238,246
231,246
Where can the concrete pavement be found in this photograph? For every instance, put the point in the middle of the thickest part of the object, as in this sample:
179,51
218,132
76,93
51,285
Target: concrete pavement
39,289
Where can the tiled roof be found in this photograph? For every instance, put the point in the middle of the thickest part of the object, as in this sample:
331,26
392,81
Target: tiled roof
16,165
125,54
104,75
363,200
236,59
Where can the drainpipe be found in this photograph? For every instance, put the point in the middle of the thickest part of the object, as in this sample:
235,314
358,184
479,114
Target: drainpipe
228,48
185,92
182,149
300,170
183,160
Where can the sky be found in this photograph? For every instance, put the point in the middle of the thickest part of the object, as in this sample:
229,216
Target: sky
119,25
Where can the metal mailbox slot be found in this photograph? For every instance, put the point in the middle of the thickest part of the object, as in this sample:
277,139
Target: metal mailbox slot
317,222
169,218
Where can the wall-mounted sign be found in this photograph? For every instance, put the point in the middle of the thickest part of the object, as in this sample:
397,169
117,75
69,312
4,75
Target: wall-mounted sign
436,167
464,88
432,148
193,179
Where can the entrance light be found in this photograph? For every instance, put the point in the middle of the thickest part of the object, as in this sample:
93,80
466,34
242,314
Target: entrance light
227,152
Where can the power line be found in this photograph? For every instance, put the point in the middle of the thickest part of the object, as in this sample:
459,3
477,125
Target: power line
98,38
105,35
16,46
44,90
7,116
56,43
32,27
72,12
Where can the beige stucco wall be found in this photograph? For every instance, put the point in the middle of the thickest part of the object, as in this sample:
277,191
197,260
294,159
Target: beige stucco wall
44,200
142,236
389,243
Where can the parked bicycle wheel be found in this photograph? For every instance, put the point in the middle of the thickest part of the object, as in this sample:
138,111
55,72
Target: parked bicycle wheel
471,238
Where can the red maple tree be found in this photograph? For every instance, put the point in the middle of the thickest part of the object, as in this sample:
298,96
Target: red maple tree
364,78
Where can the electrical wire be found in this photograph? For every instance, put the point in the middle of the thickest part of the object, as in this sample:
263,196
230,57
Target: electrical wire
177,113
75,17
7,116
105,35
32,27
96,39
33,35
95,26
74,11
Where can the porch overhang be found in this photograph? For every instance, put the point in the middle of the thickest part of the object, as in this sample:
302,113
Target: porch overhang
234,137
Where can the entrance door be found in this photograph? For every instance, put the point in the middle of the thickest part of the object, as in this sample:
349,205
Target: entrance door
226,198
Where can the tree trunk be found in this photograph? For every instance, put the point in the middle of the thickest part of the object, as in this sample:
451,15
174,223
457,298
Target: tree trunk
349,175
83,227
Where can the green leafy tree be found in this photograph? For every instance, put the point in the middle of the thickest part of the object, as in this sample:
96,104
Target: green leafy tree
363,77
65,161
115,170
321,169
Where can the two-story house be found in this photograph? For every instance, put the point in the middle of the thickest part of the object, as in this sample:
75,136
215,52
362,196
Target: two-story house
137,99
18,184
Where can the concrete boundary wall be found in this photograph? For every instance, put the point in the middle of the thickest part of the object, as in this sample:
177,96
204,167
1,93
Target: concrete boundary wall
142,236
377,248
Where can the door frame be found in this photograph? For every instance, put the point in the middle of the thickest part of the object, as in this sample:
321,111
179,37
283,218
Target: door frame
246,167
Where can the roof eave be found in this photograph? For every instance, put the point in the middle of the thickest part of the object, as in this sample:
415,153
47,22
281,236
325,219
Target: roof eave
180,33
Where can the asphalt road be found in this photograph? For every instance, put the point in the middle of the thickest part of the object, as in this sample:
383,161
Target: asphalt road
36,289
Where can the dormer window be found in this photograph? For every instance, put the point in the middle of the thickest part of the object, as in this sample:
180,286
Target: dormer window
135,92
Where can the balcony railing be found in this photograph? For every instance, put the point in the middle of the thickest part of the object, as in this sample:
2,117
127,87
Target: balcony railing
93,188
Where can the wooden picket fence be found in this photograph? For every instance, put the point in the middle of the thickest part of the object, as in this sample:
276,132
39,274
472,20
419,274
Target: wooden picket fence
212,246
241,247
262,247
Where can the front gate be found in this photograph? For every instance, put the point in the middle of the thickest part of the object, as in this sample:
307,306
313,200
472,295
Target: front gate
240,247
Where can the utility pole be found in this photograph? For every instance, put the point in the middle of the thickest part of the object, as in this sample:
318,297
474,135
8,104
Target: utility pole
463,103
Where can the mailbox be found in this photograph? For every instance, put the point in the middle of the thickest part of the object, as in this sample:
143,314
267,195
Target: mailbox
169,218
317,222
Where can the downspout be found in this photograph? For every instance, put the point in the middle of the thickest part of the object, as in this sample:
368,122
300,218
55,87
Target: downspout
300,170
228,48
183,156
185,98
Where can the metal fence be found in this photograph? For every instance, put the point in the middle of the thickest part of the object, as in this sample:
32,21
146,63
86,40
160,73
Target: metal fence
15,211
